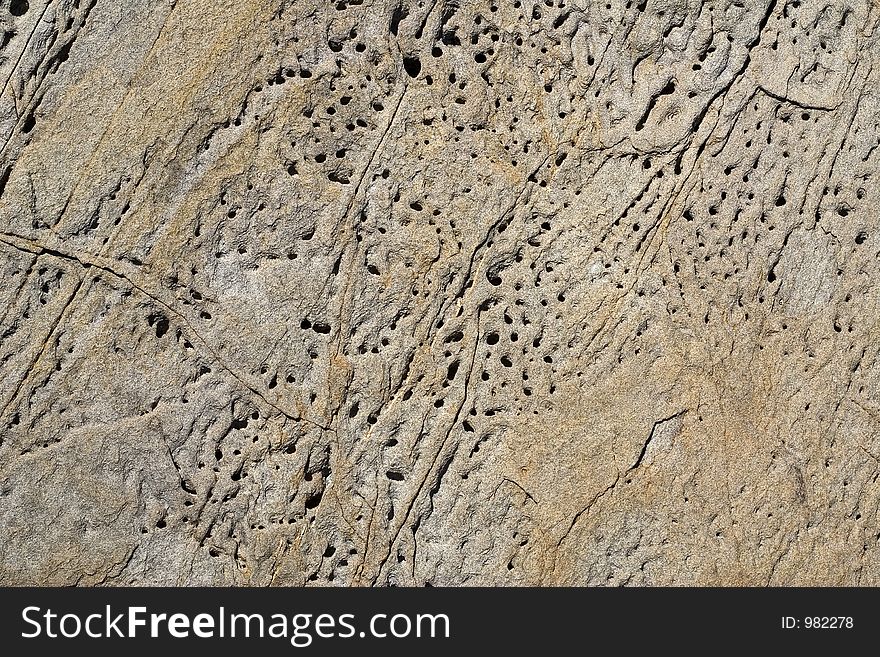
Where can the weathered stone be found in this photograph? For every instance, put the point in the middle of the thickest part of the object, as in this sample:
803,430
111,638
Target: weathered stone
439,292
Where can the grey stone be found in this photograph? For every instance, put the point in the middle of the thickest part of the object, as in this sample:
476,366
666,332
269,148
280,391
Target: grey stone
416,292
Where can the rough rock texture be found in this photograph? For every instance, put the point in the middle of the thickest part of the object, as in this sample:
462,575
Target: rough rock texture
439,292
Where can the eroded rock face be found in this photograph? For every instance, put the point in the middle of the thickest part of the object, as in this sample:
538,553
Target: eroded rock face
439,292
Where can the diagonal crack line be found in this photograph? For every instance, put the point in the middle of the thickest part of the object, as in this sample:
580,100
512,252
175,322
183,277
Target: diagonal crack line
508,212
653,432
434,461
577,516
376,150
722,92
88,261
31,368
25,47
344,325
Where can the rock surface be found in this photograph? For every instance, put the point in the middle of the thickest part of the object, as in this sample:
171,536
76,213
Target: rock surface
447,292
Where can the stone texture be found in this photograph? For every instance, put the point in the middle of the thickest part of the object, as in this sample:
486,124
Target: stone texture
490,292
